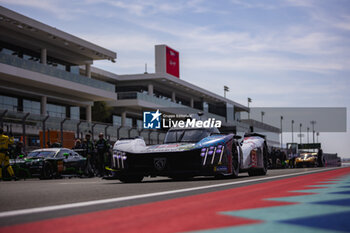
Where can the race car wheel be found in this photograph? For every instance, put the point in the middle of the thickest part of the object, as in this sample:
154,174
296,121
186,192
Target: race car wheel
235,161
47,172
131,178
260,171
252,172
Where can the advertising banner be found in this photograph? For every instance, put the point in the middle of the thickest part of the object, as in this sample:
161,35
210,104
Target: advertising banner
172,62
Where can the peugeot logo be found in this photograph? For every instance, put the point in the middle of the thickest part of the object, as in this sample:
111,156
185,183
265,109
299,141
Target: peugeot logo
159,163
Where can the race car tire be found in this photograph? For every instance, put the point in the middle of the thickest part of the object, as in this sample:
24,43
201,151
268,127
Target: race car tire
47,172
252,172
131,178
260,171
257,172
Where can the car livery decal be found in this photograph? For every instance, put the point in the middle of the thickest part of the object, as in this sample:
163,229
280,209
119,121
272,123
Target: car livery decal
170,147
214,140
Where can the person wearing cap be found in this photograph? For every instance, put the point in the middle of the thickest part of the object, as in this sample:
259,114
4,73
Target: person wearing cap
5,141
102,148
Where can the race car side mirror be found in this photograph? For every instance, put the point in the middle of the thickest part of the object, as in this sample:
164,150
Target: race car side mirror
66,155
21,156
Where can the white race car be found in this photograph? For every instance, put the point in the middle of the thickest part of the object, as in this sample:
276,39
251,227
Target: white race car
187,153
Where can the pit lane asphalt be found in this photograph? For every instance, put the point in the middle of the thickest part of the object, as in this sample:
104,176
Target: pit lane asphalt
34,193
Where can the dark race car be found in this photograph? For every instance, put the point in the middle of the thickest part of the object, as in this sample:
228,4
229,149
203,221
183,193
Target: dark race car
308,159
53,162
185,153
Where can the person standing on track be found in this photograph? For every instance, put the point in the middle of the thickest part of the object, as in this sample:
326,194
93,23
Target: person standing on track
102,147
5,141
88,147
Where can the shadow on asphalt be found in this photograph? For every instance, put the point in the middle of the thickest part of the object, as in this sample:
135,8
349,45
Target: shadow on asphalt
169,180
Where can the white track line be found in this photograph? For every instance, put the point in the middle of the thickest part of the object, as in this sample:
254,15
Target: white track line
120,199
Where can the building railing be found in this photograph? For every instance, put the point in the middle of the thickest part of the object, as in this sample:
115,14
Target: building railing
28,124
146,97
166,103
51,71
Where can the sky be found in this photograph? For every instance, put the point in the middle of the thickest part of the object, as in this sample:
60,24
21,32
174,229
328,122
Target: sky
280,53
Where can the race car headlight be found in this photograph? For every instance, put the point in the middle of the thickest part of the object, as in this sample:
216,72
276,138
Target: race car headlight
211,150
119,155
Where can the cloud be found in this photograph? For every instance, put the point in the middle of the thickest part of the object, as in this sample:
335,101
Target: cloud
272,5
301,3
343,23
57,8
141,8
118,41
263,63
251,4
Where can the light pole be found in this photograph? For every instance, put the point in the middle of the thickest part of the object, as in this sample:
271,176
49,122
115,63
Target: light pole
313,130
292,132
262,116
300,132
307,129
226,89
281,133
249,101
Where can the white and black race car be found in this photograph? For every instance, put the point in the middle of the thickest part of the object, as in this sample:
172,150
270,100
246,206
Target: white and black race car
187,153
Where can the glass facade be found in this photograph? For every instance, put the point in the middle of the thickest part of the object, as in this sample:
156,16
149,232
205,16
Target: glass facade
9,103
237,116
56,110
75,113
230,116
34,107
117,120
31,106
128,122
139,124
205,107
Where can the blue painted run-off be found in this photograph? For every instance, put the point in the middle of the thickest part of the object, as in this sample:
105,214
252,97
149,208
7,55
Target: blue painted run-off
326,211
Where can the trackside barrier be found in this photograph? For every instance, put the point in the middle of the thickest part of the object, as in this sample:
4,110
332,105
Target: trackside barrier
24,124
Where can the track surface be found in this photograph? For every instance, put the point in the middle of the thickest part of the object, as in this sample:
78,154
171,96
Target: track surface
155,205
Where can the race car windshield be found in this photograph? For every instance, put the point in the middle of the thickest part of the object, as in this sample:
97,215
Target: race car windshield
44,154
191,135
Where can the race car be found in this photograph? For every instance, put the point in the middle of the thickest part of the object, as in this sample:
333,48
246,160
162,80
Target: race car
52,162
186,152
307,160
